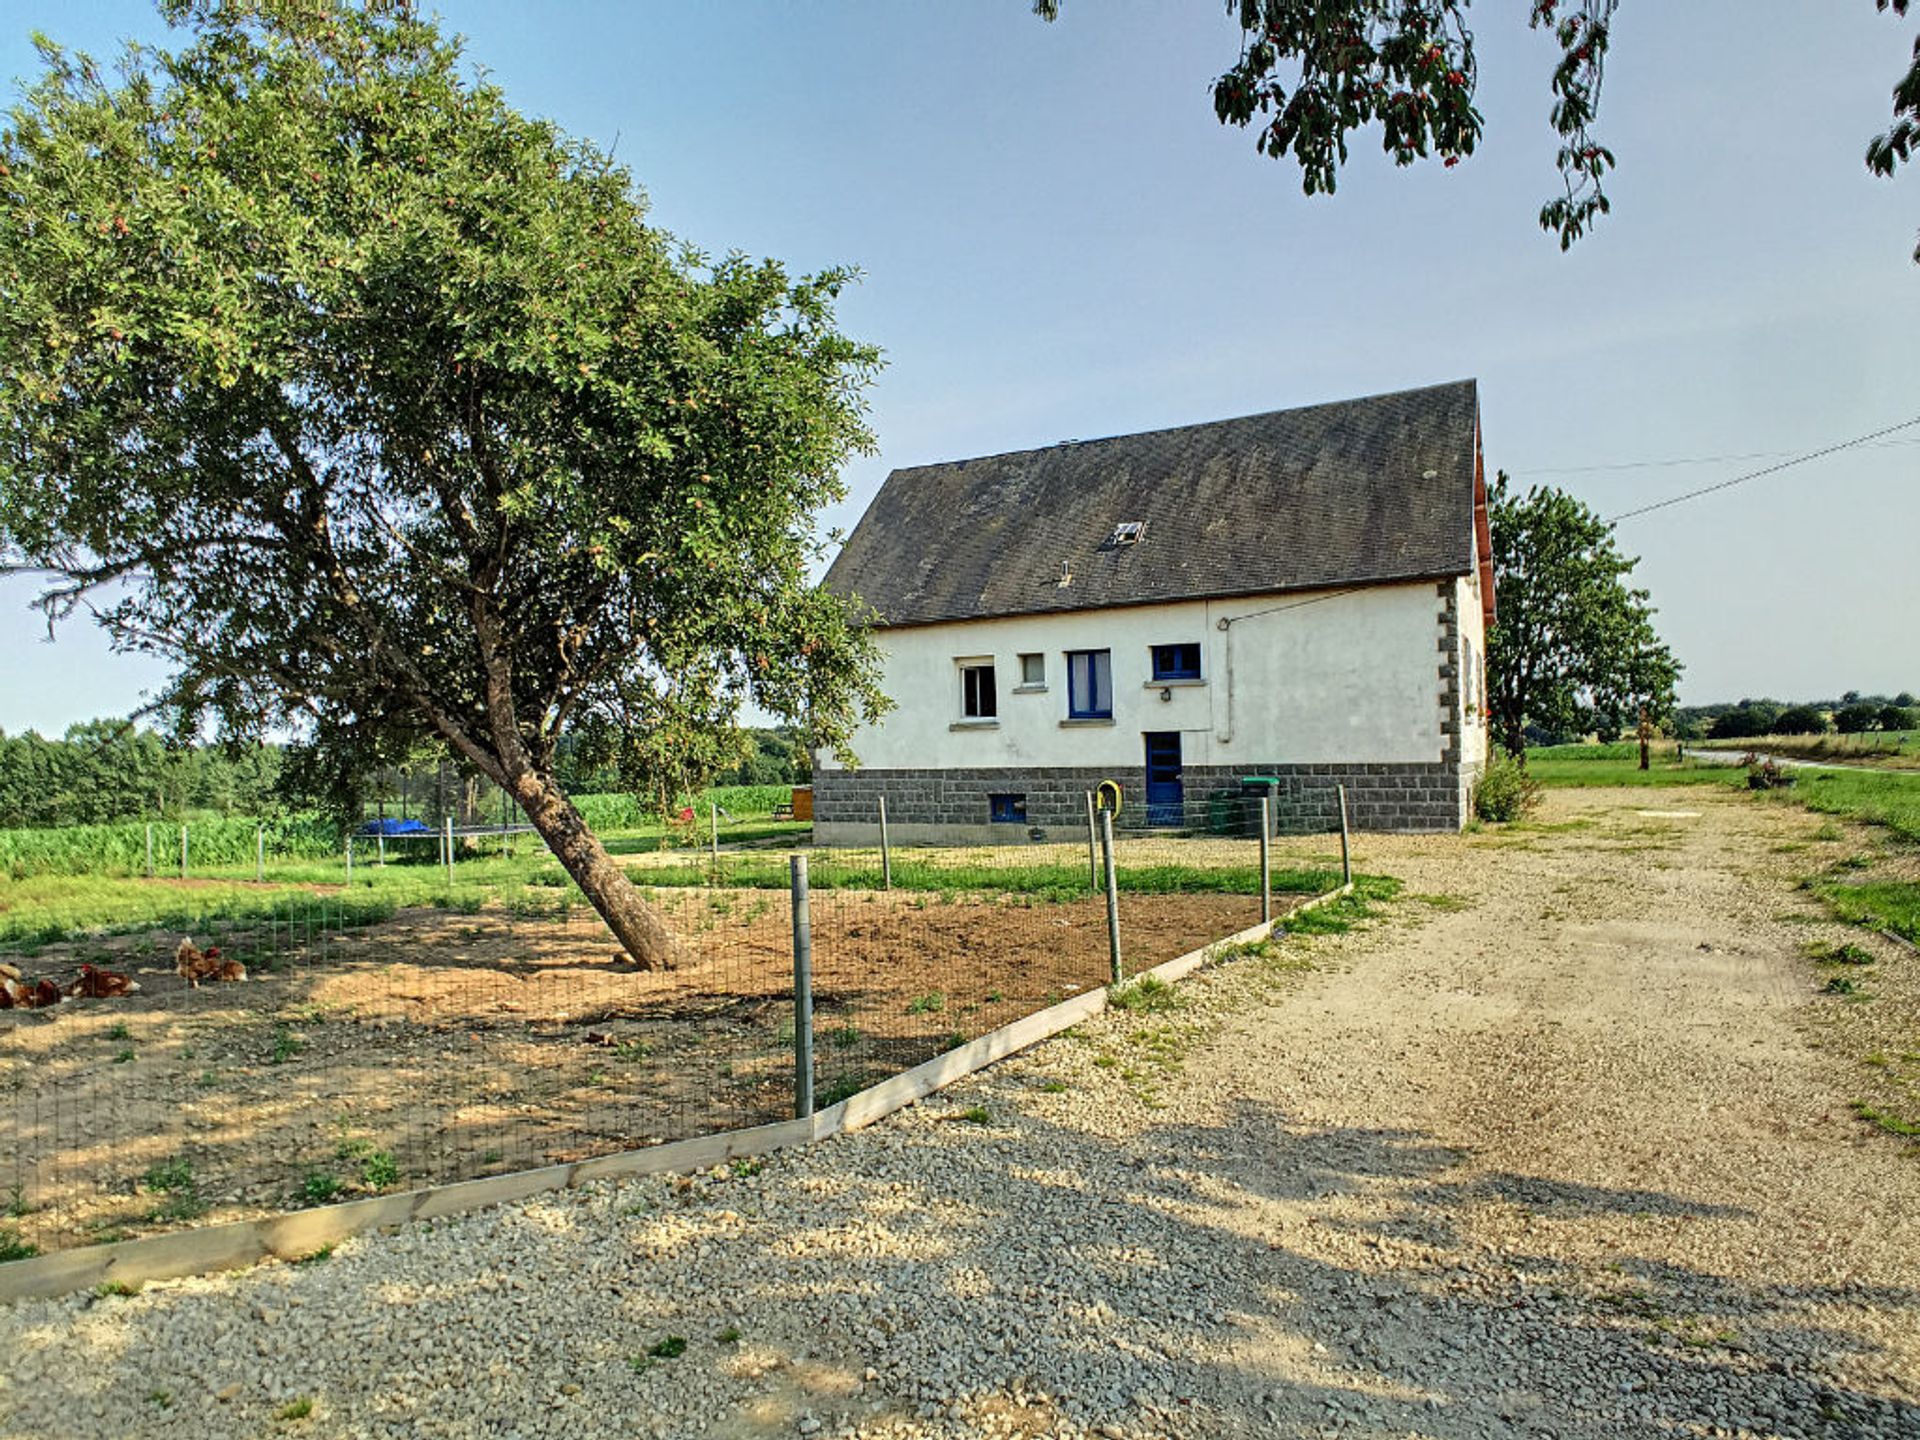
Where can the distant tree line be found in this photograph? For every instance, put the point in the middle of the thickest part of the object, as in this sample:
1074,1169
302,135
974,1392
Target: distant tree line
103,771
1851,714
107,770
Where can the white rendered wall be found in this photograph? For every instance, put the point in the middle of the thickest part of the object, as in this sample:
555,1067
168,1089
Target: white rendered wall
1347,678
1474,730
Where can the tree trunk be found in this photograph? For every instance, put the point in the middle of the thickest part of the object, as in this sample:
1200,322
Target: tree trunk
606,886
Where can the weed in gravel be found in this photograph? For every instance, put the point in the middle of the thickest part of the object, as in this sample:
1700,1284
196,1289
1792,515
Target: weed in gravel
119,1031
286,1045
1838,985
932,1001
955,1039
1824,953
12,1247
746,1167
845,1036
169,1176
976,1115
380,1171
729,1336
1147,995
314,1257
1892,1124
632,1052
1106,1062
162,1398
116,1288
17,1205
298,1409
123,1056
1053,1087
671,1348
1448,903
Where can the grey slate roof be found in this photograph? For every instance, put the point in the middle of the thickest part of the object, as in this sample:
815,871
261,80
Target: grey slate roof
1326,495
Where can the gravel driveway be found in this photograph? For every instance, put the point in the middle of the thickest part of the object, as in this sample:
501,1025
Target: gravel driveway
1552,1151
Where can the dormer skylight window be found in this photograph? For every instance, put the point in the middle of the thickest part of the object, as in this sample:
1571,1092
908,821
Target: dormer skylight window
1127,532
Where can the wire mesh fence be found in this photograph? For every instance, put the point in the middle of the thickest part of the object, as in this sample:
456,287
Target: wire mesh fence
388,1036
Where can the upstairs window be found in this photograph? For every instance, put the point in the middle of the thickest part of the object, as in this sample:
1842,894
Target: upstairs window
978,700
1033,669
1090,684
1176,662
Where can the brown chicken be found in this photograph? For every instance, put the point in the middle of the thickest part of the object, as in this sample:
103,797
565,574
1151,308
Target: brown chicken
102,984
12,993
196,964
44,993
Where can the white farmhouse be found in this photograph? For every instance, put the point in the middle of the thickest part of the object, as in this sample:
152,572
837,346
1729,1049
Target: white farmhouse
1300,595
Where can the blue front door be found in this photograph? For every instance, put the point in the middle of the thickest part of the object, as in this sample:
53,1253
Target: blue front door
1165,795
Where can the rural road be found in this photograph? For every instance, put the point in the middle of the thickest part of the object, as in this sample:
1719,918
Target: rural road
1552,1150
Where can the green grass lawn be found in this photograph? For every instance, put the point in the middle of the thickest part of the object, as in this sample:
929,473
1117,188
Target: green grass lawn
1889,799
45,909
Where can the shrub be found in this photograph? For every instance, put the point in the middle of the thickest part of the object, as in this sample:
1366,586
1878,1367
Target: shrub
1898,717
1856,719
1506,791
1801,720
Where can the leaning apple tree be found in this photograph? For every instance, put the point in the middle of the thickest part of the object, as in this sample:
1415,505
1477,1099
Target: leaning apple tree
381,413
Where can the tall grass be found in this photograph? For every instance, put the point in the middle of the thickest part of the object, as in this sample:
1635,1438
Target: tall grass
228,844
122,849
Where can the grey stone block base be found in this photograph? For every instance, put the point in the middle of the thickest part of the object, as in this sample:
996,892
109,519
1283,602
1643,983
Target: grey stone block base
952,807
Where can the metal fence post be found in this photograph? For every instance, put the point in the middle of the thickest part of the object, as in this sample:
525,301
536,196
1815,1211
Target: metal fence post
713,825
149,852
381,845
1346,854
1113,894
1093,848
1266,859
446,835
183,849
260,854
349,859
886,849
802,991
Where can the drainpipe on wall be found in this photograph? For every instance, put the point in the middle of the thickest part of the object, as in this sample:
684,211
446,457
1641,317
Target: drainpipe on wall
1225,626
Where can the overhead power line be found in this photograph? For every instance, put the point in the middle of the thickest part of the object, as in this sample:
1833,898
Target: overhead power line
1527,471
1852,444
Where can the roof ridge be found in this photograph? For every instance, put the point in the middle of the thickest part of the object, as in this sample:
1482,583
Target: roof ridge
1468,380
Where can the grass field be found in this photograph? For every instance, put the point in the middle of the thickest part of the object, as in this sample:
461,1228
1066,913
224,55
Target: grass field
1880,892
1885,749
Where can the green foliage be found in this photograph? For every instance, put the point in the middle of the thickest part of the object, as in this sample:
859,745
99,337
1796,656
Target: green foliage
12,1247
1574,648
1309,76
122,849
1312,73
1506,791
671,1348
319,1188
380,1171
378,411
1148,994
1801,720
108,770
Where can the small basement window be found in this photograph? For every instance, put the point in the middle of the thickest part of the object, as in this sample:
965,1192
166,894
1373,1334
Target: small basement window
1176,662
1007,809
978,699
1033,669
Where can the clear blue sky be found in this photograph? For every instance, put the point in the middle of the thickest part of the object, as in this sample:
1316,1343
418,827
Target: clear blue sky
1059,241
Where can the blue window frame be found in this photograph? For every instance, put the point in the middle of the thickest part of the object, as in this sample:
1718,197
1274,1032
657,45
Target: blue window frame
1090,684
1176,662
1007,809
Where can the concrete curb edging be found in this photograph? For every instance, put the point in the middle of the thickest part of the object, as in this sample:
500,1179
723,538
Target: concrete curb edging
240,1243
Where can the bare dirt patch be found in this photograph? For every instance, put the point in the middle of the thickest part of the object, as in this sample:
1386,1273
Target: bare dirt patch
440,1046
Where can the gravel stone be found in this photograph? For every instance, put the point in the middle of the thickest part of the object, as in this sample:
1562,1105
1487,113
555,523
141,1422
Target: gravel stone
1535,1163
